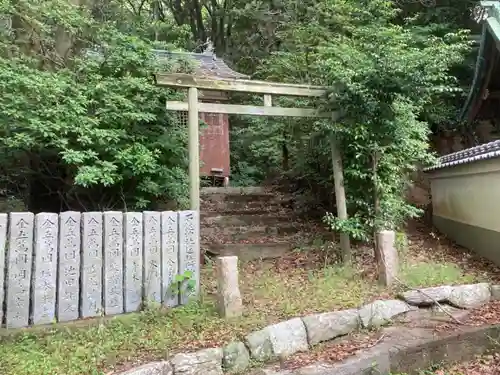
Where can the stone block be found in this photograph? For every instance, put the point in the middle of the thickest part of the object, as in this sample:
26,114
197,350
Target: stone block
267,371
152,257
327,326
462,296
389,259
202,362
19,260
92,264
373,362
229,299
429,295
68,295
318,368
381,312
155,368
236,357
133,253
170,257
43,291
260,346
189,252
495,292
113,263
288,337
3,252
470,296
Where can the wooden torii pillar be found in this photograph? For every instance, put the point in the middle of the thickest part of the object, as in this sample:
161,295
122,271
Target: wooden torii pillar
268,90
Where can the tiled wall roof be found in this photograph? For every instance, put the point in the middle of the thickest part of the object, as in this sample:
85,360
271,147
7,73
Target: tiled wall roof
487,151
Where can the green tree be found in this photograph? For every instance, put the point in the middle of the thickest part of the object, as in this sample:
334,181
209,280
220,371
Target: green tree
385,75
83,125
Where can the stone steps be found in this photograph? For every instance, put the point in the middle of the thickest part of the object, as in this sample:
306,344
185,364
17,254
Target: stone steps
243,220
249,252
224,209
234,195
249,198
235,191
252,223
238,233
239,198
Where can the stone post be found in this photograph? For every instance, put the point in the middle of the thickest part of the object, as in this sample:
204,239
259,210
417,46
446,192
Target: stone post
389,264
228,290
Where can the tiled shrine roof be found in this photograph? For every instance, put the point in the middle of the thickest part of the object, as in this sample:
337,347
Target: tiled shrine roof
208,64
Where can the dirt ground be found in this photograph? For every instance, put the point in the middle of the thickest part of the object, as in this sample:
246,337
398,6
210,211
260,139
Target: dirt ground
488,364
305,281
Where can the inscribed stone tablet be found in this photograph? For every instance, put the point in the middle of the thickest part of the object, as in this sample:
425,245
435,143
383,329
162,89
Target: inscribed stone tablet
152,256
19,259
113,263
189,252
68,296
133,261
91,288
43,290
170,257
3,240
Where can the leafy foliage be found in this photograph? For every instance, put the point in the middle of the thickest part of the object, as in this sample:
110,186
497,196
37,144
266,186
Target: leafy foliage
84,127
387,74
91,126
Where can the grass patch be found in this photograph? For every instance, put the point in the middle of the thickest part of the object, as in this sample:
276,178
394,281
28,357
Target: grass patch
152,334
269,296
425,274
278,295
301,284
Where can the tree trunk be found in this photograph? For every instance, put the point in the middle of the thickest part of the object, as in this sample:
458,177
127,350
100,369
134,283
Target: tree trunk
64,39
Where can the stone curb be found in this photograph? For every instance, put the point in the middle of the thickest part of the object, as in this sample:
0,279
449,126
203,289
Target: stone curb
407,351
300,334
155,368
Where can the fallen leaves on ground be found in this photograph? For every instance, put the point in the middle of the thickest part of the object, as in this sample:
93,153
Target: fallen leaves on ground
333,351
485,315
483,365
428,245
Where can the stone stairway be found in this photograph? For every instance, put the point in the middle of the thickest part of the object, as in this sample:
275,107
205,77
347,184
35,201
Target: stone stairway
252,223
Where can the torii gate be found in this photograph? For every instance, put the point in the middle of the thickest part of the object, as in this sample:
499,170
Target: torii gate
268,90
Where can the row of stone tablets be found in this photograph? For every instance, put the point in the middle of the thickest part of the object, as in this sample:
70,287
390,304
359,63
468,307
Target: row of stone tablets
71,265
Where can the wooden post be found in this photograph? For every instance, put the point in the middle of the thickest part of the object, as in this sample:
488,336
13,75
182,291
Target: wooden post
338,179
194,149
376,209
268,100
